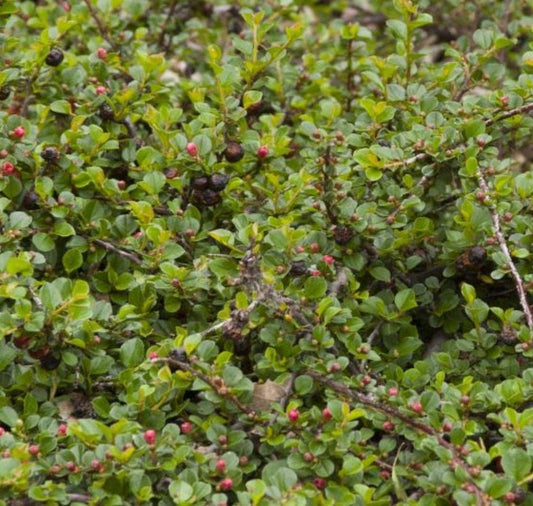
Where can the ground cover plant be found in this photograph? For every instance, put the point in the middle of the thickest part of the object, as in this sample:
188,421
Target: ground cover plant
264,253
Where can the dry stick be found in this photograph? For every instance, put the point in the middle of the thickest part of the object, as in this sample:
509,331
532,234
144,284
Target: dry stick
366,400
206,379
370,340
507,114
161,41
519,283
101,27
111,247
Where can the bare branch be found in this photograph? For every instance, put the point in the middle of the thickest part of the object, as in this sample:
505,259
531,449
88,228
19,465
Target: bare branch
518,282
102,28
126,254
216,384
507,114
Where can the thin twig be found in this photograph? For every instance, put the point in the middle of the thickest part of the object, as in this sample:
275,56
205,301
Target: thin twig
101,26
217,387
161,41
126,254
518,282
370,340
507,114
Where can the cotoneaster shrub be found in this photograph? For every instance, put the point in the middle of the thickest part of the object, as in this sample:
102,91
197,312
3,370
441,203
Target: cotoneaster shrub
266,252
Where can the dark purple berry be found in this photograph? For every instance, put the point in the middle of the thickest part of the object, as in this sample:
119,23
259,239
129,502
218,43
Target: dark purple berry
106,112
343,235
5,91
50,154
233,152
200,183
477,255
54,57
218,182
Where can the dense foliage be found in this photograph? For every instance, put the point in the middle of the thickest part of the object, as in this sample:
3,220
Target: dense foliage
264,253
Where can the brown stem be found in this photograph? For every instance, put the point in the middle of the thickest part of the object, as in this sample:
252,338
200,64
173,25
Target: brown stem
161,41
209,381
126,254
102,28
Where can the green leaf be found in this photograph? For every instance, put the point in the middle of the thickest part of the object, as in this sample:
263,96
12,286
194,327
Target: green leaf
303,384
132,352
180,491
405,300
8,416
61,107
315,287
72,260
516,463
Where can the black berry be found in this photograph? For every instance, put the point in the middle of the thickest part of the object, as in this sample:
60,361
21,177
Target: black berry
50,362
5,91
218,182
30,200
106,112
233,152
298,268
207,197
54,57
200,183
50,154
343,235
477,255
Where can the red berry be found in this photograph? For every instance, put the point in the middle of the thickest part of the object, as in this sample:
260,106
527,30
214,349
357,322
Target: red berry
6,453
393,391
262,152
226,484
293,415
504,100
447,426
149,436
71,466
19,132
328,259
2,431
480,143
308,457
66,6
221,465
54,469
326,414
509,497
100,90
101,53
314,247
299,249
319,483
96,465
388,425
315,272
335,367
62,430
417,407
34,450
153,355
3,153
192,149
186,427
